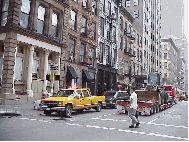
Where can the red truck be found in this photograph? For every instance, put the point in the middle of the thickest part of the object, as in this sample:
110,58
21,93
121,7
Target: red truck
171,91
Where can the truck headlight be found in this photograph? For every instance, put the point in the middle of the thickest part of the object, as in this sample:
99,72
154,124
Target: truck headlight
60,103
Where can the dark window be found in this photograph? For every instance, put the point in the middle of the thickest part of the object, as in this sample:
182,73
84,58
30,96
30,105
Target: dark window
85,93
54,24
40,19
114,34
93,31
24,15
83,25
121,43
73,20
94,8
102,26
4,12
85,3
92,55
102,51
82,52
121,23
108,55
71,48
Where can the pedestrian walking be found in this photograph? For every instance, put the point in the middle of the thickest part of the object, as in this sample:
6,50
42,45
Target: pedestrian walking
132,108
137,113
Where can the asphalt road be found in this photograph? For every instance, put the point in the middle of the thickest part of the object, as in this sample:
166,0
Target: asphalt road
107,125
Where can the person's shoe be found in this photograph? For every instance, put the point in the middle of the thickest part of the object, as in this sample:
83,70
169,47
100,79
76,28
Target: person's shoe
137,125
131,126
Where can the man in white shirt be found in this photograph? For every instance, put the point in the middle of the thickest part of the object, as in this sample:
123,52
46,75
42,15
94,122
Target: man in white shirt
132,108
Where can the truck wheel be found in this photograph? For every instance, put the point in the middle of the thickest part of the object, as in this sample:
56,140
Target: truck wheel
98,107
152,110
68,110
157,108
47,112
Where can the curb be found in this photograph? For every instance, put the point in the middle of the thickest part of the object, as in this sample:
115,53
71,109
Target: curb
3,113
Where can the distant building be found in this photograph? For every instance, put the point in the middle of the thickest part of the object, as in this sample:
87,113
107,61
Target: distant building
147,21
170,62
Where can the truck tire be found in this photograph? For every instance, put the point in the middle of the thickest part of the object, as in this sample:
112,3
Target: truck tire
98,107
68,110
47,112
157,108
152,110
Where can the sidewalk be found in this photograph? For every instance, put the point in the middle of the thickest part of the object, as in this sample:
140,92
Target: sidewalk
17,110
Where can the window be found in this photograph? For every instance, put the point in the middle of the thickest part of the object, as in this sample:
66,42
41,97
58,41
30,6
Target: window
165,65
85,93
83,25
115,12
121,43
108,61
125,27
34,68
114,34
136,2
82,52
84,3
165,55
102,26
136,14
108,31
127,3
102,51
4,12
126,46
18,68
109,8
71,48
121,23
165,75
94,9
138,39
92,55
73,20
54,24
24,15
40,19
103,1
93,31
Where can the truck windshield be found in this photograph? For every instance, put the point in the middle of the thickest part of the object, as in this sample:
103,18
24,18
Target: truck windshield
168,88
65,93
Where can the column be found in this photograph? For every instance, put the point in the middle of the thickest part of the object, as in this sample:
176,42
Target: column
45,71
29,80
8,64
56,83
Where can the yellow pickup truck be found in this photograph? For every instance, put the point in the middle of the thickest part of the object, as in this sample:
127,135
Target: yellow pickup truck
66,100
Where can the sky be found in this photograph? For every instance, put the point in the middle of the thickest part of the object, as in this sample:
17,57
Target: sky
186,17
173,12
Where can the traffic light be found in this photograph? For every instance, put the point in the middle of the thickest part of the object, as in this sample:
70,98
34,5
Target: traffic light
57,77
48,77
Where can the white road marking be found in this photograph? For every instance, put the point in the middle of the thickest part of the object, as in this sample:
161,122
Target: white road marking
134,132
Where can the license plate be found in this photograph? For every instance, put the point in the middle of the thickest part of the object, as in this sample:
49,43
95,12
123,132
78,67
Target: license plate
48,109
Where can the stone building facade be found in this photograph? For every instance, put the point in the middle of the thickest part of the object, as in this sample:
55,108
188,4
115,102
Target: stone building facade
170,61
34,34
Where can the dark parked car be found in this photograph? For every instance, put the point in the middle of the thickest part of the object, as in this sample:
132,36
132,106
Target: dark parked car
112,96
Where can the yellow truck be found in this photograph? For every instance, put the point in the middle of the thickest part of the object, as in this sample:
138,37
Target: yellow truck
66,100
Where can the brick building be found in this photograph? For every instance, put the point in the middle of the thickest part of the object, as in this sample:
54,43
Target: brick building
35,33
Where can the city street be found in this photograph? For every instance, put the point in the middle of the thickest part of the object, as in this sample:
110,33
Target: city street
89,125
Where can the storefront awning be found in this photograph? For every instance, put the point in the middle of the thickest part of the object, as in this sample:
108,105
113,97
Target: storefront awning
86,75
71,73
